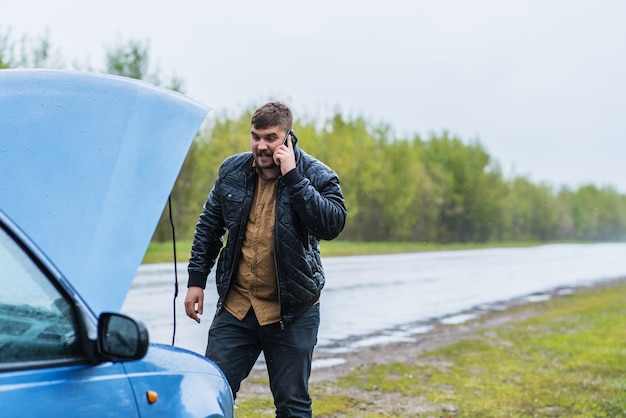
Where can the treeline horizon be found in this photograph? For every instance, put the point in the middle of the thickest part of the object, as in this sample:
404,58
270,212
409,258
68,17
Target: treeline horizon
437,189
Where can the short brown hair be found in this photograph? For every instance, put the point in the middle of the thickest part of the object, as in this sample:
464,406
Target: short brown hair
273,114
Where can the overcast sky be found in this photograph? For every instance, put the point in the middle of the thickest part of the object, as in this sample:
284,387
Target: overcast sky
540,83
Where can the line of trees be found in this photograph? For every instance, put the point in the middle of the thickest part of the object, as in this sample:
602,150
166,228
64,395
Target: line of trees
435,189
438,189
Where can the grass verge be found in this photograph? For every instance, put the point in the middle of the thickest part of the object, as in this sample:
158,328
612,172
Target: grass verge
567,360
162,252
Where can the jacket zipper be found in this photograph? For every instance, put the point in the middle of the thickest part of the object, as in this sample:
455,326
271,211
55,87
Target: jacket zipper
280,304
237,257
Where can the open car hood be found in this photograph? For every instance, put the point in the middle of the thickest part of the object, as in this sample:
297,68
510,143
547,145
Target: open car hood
87,162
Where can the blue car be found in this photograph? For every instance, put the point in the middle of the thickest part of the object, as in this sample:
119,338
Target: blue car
86,165
57,359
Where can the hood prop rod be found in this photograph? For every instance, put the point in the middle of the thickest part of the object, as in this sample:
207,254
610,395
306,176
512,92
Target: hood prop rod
169,204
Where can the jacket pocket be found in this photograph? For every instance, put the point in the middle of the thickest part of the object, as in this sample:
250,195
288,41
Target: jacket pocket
233,195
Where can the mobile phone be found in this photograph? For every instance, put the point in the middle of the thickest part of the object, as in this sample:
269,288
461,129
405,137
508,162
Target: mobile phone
289,132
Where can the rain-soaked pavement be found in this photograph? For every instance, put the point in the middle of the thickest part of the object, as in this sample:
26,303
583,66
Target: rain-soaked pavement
376,299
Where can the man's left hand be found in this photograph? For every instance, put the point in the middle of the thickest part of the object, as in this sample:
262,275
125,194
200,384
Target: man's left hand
284,157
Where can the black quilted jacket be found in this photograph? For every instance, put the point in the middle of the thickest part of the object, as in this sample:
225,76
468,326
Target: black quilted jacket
310,207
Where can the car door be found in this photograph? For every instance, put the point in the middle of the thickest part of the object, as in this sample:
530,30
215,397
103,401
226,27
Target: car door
44,370
61,391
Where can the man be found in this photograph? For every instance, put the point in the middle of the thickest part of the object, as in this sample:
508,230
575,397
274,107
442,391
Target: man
276,203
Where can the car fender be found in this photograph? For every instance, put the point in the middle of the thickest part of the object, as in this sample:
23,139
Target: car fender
185,383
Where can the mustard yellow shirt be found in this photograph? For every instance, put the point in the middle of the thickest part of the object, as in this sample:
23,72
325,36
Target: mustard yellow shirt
256,284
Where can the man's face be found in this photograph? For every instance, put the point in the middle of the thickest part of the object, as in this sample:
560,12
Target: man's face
264,142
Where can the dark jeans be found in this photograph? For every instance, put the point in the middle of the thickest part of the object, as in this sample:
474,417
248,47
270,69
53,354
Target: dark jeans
235,346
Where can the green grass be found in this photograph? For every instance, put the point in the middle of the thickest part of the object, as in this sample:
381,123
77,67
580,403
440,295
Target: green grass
569,360
162,252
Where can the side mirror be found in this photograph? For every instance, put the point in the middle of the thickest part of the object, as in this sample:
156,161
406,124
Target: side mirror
121,338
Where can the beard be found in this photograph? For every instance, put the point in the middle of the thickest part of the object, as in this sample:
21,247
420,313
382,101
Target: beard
265,160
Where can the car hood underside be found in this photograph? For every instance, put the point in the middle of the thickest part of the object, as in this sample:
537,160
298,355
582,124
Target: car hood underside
87,162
